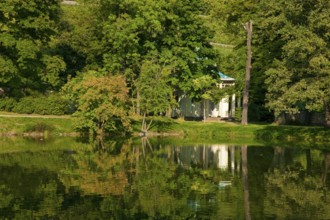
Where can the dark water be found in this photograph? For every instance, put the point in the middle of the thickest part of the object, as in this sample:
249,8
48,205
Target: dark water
153,180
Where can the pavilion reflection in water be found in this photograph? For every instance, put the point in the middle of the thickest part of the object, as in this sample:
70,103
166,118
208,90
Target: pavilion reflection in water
222,156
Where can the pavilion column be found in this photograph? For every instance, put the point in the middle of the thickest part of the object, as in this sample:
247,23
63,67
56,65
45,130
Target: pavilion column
233,102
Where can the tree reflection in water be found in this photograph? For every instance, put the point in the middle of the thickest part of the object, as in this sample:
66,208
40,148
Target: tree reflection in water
245,183
155,179
295,188
326,167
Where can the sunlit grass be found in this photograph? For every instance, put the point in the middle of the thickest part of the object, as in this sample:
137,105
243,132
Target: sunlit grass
19,125
37,144
183,131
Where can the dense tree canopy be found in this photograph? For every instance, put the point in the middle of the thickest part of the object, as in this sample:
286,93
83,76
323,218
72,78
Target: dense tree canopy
298,77
290,52
26,58
101,102
155,91
163,48
170,32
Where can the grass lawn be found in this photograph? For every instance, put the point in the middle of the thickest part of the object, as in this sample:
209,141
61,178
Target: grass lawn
186,131
254,133
18,124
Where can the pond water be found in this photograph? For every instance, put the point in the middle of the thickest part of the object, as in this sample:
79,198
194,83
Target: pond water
158,179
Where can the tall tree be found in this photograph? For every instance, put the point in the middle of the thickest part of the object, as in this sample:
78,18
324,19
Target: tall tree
155,91
299,76
79,40
233,15
137,31
246,182
248,28
26,61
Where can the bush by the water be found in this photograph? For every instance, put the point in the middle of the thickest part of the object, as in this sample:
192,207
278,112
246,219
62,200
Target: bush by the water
45,105
39,127
7,104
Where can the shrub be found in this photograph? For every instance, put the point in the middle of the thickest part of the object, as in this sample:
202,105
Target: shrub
101,103
52,105
39,127
7,104
25,105
45,105
238,114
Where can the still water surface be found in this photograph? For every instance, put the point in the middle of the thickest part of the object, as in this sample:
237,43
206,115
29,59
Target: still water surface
155,179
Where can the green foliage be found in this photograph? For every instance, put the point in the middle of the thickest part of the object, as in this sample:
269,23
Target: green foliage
163,48
290,69
7,104
154,88
298,195
101,103
161,180
54,65
204,86
39,127
167,33
294,135
53,104
79,39
238,114
298,73
229,18
25,105
26,59
258,112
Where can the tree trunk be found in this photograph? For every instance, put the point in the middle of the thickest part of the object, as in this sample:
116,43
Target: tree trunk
204,114
246,183
278,158
169,112
308,162
327,114
145,127
248,27
137,161
326,167
138,109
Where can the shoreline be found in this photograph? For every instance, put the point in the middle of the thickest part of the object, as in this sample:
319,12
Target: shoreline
60,126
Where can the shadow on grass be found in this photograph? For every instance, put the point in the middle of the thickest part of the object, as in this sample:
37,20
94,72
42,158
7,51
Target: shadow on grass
161,126
157,125
295,135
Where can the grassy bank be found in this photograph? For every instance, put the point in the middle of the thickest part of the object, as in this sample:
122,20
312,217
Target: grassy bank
235,133
185,131
13,124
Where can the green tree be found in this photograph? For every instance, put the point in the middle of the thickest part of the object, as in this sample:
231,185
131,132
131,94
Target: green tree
101,102
26,59
137,31
299,75
79,40
295,195
205,89
155,91
231,16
